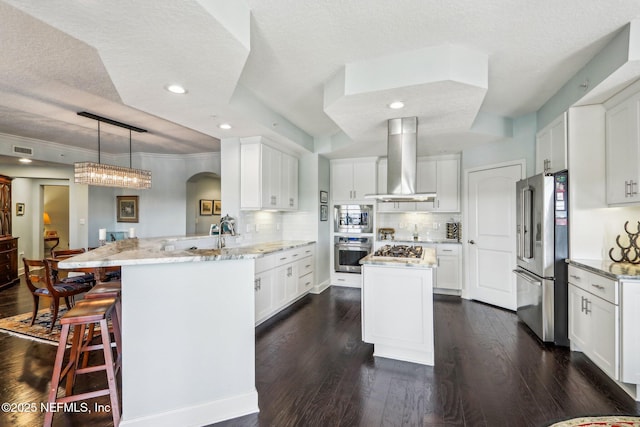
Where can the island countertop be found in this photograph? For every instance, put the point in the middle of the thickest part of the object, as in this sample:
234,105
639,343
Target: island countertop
427,261
163,250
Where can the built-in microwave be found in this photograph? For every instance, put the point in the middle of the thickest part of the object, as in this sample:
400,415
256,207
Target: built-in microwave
353,218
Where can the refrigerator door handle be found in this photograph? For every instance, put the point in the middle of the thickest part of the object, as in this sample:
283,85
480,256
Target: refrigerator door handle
530,278
527,223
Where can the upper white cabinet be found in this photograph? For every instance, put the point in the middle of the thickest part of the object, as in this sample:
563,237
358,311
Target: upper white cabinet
351,179
551,146
622,152
268,178
440,175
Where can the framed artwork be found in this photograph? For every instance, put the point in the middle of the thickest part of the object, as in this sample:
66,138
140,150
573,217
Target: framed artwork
19,209
127,208
324,197
206,207
324,212
217,207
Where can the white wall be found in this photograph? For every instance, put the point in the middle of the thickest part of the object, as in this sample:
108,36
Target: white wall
521,146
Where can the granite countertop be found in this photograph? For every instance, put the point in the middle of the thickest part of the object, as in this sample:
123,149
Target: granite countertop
428,260
163,250
608,268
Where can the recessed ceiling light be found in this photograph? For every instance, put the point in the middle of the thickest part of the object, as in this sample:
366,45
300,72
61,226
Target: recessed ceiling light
176,89
396,105
24,160
225,126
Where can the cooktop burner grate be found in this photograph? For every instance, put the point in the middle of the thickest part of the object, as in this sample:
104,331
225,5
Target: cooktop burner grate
399,251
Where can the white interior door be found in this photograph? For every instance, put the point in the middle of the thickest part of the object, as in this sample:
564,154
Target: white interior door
491,234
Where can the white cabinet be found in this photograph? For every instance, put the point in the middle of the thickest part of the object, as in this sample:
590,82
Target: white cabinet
440,175
448,273
594,321
281,278
268,178
551,146
351,179
447,185
630,319
289,182
397,312
622,152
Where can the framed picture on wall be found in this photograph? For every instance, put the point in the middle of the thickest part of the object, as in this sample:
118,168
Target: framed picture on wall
217,207
206,207
324,197
324,212
127,208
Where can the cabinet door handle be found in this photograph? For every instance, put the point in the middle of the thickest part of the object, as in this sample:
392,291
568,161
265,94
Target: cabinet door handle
633,188
447,250
599,287
438,263
582,304
573,276
627,191
586,306
255,285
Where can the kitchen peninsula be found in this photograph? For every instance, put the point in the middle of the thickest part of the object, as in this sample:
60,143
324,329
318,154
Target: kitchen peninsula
397,302
187,327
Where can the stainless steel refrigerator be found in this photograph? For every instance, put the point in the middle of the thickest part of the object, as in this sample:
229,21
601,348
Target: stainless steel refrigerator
543,246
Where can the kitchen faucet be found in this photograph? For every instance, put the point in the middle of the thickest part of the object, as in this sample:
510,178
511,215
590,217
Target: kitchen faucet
226,226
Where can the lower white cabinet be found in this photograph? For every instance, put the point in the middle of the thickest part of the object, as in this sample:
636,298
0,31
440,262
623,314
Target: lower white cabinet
594,329
281,278
449,271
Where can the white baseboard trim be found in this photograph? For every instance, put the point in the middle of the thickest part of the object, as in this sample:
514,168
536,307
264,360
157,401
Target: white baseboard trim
199,415
320,287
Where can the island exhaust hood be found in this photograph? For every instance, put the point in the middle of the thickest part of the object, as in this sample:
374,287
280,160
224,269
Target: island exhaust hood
402,148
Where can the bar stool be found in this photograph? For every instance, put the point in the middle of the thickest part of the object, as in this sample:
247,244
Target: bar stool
95,311
104,290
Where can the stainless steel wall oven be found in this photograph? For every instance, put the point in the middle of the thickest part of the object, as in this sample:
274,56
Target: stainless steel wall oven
348,251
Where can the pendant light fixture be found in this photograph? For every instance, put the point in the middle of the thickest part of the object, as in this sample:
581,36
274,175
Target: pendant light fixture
109,175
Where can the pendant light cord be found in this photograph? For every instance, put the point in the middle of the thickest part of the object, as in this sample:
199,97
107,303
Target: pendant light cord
99,141
130,149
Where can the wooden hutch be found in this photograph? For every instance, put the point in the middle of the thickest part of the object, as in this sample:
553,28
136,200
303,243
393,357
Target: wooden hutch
8,243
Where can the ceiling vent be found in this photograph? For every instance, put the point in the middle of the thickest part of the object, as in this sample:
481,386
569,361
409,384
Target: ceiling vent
22,151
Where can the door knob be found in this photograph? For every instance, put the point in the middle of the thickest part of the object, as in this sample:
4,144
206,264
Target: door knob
471,242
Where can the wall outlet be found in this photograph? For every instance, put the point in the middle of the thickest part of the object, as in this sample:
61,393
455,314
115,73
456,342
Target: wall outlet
248,228
82,221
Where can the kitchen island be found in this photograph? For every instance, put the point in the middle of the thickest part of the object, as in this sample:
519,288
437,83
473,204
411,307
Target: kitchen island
188,335
397,306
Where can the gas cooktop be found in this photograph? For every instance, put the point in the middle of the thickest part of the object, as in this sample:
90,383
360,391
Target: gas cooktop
399,251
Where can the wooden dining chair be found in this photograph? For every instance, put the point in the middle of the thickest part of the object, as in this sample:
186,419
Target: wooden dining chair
39,277
66,253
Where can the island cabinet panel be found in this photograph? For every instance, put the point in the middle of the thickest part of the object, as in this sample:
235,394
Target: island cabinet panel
397,308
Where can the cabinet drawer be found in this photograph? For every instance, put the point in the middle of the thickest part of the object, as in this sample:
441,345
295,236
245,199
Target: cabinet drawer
264,263
7,245
305,283
595,284
305,266
283,257
452,249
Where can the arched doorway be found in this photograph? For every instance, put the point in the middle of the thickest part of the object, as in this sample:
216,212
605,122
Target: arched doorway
204,186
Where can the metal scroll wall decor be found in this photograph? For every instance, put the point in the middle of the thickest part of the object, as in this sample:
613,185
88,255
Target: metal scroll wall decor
631,252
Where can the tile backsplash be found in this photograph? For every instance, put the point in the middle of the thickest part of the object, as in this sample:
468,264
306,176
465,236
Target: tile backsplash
428,225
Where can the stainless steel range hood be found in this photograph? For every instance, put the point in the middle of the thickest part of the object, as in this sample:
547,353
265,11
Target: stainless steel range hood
402,148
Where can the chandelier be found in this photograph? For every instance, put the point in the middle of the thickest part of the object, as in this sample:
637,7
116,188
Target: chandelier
109,175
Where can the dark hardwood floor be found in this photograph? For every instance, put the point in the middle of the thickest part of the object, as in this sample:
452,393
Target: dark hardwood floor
312,369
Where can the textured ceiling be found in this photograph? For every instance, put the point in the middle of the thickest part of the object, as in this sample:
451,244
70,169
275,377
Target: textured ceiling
263,67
